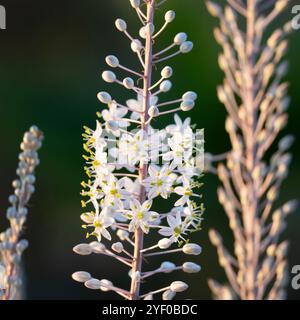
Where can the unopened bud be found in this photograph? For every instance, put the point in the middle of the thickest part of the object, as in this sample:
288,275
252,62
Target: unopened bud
192,249
190,267
186,47
128,83
81,276
167,72
178,286
168,295
121,25
164,243
117,247
180,38
170,16
112,61
104,97
83,249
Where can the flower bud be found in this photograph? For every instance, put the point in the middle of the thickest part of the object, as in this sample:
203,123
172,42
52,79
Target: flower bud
136,276
153,111
187,105
16,184
180,38
214,9
112,61
81,276
143,33
190,267
165,86
178,286
170,16
128,83
190,95
192,249
105,285
12,199
150,28
136,45
186,47
121,25
117,247
30,179
164,243
104,97
112,125
109,76
93,284
168,295
167,267
286,142
149,297
122,234
167,72
83,249
97,247
290,206
22,245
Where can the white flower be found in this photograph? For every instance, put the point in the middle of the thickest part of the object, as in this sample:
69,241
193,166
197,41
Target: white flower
193,215
101,223
181,145
95,139
179,126
140,215
185,191
134,147
113,190
137,105
100,165
176,228
160,181
114,114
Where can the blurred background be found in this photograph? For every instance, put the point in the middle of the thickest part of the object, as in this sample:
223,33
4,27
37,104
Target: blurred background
51,59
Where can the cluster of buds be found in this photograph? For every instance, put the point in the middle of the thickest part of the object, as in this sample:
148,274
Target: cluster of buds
131,165
11,246
256,100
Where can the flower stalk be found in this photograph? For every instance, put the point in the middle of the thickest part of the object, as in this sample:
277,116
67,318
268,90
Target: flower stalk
130,164
255,98
11,244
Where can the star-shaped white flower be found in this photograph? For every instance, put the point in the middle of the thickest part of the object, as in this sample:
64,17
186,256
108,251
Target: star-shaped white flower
135,148
179,126
176,228
114,192
101,223
115,113
185,192
140,215
160,181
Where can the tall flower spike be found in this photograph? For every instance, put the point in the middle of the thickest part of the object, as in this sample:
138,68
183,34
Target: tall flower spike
131,166
11,244
256,101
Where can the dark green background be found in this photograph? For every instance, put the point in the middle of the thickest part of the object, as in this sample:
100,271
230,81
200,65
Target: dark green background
51,58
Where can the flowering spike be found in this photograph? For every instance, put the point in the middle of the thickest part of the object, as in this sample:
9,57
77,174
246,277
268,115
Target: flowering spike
11,247
130,169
